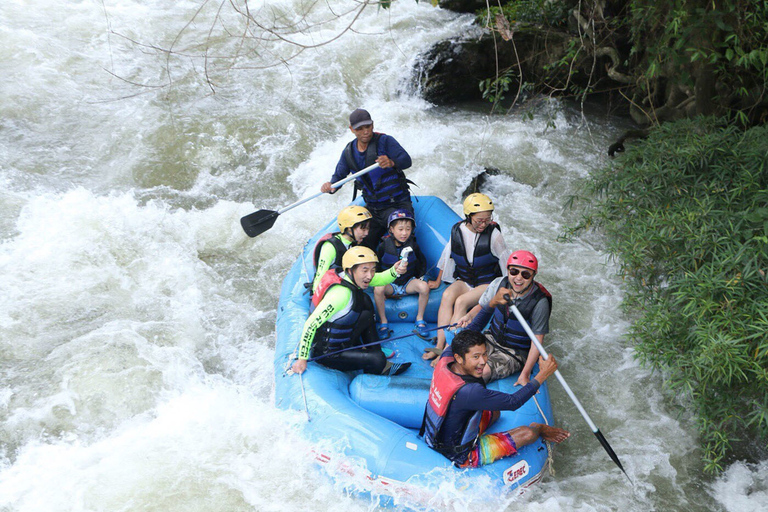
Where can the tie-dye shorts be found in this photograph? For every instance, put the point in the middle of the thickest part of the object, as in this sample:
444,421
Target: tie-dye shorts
489,447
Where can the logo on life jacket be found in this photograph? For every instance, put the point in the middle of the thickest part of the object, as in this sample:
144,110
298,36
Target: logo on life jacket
445,383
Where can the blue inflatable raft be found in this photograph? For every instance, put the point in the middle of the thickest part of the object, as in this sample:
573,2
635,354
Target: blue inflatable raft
366,426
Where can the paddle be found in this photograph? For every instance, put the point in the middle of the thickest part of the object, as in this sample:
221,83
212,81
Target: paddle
567,388
258,222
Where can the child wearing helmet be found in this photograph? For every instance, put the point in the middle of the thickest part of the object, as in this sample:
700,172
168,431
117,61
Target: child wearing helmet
509,347
354,222
398,243
344,319
472,258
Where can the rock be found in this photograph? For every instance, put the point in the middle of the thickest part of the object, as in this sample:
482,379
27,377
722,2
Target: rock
478,182
470,6
452,70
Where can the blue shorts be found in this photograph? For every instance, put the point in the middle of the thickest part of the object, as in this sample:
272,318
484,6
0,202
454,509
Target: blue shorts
399,290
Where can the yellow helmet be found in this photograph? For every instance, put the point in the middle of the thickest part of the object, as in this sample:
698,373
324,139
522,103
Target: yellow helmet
352,215
477,202
357,255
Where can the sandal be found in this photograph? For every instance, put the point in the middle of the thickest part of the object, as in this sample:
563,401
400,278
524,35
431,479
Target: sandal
384,332
431,353
388,353
420,328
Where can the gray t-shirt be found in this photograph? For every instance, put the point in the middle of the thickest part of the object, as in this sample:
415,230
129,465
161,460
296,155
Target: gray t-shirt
540,315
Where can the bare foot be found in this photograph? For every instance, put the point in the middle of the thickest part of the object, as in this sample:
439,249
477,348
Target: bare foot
431,353
552,434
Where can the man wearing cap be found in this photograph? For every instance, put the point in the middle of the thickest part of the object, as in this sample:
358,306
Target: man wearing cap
509,347
385,189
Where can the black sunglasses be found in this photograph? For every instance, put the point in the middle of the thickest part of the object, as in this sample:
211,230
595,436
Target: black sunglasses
526,274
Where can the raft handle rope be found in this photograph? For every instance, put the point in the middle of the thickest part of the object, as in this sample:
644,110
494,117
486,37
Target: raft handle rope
304,396
550,459
287,368
379,342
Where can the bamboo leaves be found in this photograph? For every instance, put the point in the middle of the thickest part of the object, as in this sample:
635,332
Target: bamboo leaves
686,213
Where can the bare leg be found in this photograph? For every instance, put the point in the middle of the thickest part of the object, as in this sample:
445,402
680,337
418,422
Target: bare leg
526,435
379,296
445,313
422,288
467,301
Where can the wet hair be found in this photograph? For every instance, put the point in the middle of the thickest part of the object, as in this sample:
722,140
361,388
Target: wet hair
465,340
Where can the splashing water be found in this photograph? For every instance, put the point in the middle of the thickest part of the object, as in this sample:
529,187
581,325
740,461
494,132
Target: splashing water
137,320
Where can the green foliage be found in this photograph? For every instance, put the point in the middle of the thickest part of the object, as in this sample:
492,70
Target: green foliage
675,57
552,13
494,89
686,214
703,43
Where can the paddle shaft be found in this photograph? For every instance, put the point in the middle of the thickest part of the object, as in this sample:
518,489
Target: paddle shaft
560,378
567,388
377,342
333,185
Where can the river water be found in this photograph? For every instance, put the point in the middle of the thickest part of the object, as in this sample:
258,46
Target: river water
137,320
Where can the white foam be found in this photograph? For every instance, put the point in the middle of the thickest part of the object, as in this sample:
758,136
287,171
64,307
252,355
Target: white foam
742,488
137,320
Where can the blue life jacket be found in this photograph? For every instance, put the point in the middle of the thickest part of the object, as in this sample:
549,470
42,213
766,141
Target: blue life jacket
505,328
485,266
392,255
340,333
392,186
445,385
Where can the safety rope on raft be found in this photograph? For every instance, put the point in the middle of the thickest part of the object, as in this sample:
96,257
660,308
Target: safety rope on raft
550,459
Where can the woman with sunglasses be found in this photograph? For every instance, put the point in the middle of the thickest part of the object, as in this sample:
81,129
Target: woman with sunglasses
509,347
472,258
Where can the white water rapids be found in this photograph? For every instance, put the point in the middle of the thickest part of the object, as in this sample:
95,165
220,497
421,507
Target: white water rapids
137,320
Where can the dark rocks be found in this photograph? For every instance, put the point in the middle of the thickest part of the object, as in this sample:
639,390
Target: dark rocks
452,70
469,6
478,182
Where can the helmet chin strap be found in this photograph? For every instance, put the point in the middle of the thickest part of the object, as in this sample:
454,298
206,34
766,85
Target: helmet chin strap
352,277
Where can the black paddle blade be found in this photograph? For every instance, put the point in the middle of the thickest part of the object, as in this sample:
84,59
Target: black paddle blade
610,451
258,222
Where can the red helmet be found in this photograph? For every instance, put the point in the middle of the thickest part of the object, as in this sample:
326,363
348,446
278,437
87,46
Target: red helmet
523,259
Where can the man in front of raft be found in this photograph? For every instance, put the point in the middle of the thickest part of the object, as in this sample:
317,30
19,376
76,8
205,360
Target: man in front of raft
385,189
460,408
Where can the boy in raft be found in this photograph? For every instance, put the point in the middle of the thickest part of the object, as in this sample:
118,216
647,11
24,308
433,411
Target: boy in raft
354,223
344,319
472,258
509,347
384,189
460,408
401,225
